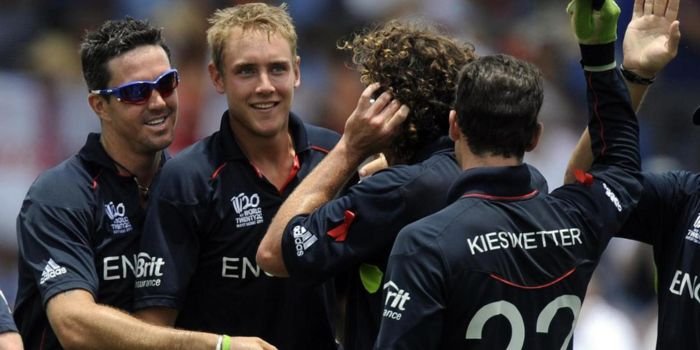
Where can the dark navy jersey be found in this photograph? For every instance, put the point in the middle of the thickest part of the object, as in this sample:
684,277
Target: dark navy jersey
211,208
668,218
505,265
7,324
355,232
78,228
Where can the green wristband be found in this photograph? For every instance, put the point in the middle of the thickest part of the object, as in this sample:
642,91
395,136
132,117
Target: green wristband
226,344
594,26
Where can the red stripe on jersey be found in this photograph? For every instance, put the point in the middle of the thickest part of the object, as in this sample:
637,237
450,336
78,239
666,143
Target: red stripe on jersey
583,177
502,198
216,172
513,284
319,149
292,174
340,232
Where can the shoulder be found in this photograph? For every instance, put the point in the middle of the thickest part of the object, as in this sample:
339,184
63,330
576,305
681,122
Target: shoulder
435,173
67,184
321,138
194,162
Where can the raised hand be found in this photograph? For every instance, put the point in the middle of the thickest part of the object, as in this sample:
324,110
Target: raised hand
373,124
652,36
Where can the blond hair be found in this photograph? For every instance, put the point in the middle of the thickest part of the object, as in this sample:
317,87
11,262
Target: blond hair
249,17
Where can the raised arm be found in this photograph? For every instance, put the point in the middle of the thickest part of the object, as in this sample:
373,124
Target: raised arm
651,42
369,129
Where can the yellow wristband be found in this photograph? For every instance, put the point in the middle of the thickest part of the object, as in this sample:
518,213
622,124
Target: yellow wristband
226,343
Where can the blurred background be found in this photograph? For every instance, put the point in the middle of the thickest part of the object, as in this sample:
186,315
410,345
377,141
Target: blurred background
44,116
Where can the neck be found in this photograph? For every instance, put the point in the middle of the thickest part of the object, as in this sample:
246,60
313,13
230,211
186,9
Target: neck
468,160
260,150
141,166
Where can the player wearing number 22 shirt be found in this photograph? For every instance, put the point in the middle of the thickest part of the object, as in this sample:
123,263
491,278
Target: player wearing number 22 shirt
506,266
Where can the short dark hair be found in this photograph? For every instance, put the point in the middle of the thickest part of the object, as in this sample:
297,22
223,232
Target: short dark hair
111,39
419,65
497,102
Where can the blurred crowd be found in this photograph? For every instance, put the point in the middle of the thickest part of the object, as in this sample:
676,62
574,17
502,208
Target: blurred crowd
45,117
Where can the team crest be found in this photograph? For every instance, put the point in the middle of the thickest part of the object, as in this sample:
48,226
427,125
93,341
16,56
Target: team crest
117,214
248,212
694,233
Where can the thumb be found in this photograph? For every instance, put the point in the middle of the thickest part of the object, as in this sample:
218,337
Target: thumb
674,38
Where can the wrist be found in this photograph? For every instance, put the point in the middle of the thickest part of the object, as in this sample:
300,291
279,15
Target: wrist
598,57
353,156
223,342
636,77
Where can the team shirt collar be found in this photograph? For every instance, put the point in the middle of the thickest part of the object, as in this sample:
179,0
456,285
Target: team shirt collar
93,152
442,144
231,149
498,183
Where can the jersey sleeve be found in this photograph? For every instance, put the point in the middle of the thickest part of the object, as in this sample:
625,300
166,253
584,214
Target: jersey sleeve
54,242
660,207
345,231
7,324
170,241
414,293
611,189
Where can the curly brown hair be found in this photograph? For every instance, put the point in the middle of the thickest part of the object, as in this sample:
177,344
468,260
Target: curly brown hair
419,65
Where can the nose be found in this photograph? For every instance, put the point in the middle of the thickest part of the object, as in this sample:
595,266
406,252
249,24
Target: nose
265,85
157,101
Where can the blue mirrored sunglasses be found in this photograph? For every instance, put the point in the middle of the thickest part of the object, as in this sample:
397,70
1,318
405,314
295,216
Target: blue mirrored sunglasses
137,92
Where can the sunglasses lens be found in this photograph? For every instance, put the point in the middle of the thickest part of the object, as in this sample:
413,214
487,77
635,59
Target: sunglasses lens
136,92
167,84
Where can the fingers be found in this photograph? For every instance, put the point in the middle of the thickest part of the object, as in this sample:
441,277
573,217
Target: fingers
674,38
659,7
638,8
648,7
373,166
672,10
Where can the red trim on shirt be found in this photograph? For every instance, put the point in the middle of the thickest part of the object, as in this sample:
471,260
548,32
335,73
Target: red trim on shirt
583,177
292,173
513,284
318,148
596,113
340,232
216,172
502,198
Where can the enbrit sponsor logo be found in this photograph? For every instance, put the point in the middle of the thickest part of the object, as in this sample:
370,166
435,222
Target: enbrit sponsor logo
117,214
395,300
51,271
240,268
146,268
685,284
303,239
247,210
694,233
613,197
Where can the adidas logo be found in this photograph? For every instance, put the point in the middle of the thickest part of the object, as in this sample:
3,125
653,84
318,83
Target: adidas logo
303,239
51,270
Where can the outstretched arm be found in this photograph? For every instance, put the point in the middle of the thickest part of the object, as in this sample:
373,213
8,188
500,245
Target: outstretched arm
651,42
370,128
80,323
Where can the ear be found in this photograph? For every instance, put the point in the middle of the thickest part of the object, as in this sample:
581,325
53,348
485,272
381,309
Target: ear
216,78
297,72
535,137
99,105
455,133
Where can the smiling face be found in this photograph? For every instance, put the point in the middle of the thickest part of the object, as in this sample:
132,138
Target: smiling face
141,128
259,75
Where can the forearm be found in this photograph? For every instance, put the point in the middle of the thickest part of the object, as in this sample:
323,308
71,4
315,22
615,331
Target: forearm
10,341
80,323
319,187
